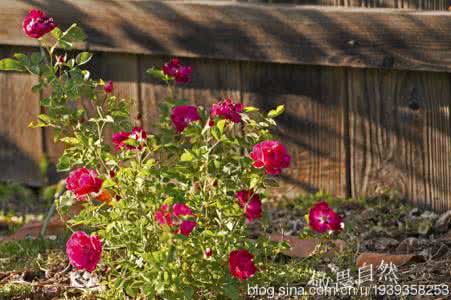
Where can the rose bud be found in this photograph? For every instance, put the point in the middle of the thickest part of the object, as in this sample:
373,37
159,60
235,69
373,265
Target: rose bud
108,88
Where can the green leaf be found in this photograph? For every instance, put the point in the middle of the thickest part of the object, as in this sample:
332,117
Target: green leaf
276,112
36,124
22,58
74,34
36,88
36,58
57,33
83,58
9,64
44,118
157,73
231,291
45,102
216,133
64,164
254,181
70,140
186,156
221,125
250,109
188,292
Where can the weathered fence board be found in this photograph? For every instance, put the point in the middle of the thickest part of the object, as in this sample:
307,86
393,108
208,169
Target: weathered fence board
21,148
400,135
409,4
312,126
355,37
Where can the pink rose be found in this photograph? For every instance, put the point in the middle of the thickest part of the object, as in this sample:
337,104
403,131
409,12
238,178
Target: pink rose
83,181
241,264
272,155
228,110
254,209
181,209
108,88
322,218
163,216
120,138
176,218
37,23
84,251
181,73
187,226
253,205
183,115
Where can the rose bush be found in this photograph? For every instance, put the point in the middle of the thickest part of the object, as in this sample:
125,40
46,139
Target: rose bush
169,208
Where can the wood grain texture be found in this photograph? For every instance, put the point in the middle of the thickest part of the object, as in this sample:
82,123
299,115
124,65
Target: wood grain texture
211,80
400,135
356,37
409,4
312,127
20,146
123,70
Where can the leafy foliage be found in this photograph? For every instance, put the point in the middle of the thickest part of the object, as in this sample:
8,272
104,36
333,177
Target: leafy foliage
203,166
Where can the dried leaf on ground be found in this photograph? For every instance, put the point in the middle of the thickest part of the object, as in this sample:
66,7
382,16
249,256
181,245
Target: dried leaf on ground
375,259
33,229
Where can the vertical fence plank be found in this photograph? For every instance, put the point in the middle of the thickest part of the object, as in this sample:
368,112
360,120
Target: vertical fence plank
123,70
311,127
211,80
400,135
20,146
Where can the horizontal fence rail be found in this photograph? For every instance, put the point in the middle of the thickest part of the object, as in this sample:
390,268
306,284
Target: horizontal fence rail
351,131
353,37
402,4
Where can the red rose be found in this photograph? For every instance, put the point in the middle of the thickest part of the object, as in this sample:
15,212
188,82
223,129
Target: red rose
120,139
179,218
179,72
163,216
84,251
322,218
241,264
272,155
37,23
253,205
181,209
108,88
83,181
186,227
183,115
228,110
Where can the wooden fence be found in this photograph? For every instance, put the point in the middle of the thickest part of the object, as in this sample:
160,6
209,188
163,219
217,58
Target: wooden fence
366,90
